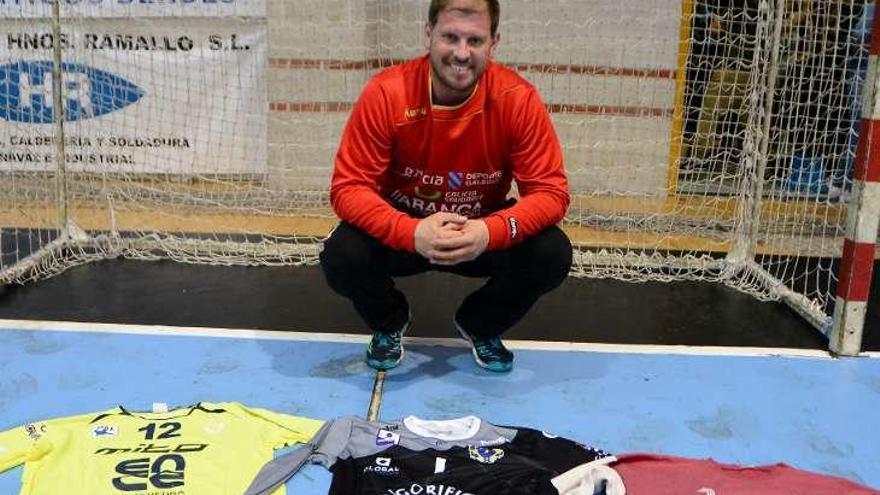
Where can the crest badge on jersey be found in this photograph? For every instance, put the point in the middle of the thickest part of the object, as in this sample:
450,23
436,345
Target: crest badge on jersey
385,437
34,431
485,455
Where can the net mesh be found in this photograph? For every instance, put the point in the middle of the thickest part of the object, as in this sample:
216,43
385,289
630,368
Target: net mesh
703,141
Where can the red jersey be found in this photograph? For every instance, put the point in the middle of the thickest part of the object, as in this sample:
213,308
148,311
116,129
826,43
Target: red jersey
402,158
666,475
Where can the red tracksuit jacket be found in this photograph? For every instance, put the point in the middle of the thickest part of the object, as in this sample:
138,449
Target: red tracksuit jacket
402,158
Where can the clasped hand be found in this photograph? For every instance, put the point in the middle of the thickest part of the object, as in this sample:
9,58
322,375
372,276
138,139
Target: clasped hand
449,239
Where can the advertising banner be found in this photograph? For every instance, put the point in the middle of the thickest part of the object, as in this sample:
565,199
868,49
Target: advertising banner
180,96
12,9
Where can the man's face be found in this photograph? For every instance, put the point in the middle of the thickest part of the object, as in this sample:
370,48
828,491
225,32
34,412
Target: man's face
460,47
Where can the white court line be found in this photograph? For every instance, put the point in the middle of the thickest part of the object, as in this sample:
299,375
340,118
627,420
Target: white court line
237,333
173,331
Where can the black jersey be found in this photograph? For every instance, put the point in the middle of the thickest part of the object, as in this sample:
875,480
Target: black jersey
466,456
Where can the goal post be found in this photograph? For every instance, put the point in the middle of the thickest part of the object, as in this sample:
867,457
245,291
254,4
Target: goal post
702,142
863,218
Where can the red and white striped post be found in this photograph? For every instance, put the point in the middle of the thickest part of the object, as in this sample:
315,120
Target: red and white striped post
863,218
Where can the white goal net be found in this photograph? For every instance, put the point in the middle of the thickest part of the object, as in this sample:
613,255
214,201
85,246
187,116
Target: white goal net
704,140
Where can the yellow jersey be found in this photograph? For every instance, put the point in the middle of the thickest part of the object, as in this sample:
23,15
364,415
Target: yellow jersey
204,449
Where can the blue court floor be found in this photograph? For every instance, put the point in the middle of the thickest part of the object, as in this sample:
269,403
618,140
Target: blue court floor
734,405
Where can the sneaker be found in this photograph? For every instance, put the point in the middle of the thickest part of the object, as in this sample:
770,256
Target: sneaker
489,353
385,349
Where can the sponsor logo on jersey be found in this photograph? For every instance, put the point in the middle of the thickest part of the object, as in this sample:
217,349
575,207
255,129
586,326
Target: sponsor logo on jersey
514,228
163,472
466,196
482,178
419,489
455,180
432,180
414,113
485,455
382,466
152,448
385,437
26,95
421,206
104,431
411,172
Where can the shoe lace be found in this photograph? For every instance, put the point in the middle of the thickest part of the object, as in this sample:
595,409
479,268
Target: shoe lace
489,347
387,339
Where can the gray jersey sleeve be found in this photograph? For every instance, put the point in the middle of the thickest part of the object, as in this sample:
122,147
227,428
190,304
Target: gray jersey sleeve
325,447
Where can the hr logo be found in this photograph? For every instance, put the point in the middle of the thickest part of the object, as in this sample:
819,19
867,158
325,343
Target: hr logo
27,92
